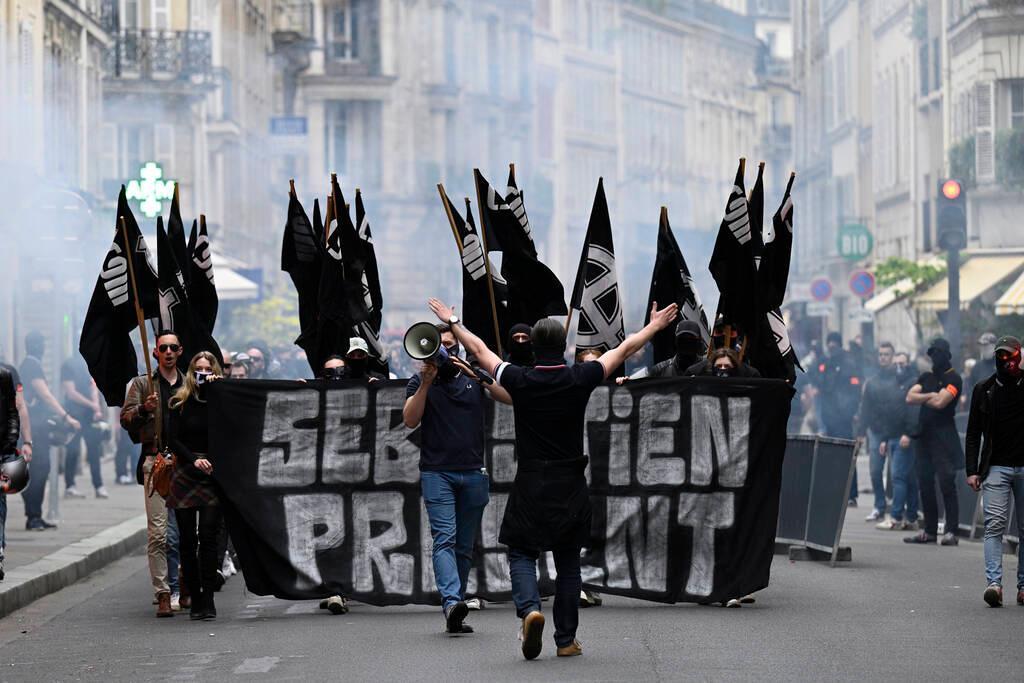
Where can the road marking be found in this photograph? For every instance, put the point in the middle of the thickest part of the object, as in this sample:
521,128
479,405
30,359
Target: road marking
256,665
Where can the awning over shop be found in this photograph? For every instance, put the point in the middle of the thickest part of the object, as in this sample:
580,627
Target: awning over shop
978,275
889,295
231,285
1012,301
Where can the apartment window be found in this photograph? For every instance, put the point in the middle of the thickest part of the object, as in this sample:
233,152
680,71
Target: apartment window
923,68
342,23
161,14
1017,105
130,14
336,137
936,64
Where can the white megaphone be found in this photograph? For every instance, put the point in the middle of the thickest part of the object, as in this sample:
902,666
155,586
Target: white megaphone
422,341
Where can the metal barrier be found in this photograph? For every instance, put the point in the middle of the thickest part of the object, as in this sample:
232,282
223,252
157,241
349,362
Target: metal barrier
816,476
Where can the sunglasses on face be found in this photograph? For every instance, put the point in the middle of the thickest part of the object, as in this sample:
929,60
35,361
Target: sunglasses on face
164,348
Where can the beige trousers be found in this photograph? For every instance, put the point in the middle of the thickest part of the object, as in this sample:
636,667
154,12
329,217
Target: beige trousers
156,545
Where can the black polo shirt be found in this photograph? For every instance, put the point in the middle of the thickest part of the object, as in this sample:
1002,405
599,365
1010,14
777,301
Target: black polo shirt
550,403
452,428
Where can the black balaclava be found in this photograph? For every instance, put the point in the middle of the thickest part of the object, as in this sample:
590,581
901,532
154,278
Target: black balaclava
689,345
1008,356
520,353
942,358
355,367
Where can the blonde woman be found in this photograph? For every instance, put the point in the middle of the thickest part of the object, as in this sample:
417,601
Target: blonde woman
193,495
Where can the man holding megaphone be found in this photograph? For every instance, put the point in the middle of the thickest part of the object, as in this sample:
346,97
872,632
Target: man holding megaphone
447,399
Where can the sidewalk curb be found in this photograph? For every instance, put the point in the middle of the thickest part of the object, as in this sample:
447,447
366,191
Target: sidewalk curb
24,585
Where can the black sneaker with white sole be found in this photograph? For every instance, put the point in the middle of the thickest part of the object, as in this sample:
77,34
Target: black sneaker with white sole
949,539
921,538
454,615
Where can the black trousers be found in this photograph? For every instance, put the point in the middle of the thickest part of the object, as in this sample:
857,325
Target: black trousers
38,469
936,458
199,532
93,451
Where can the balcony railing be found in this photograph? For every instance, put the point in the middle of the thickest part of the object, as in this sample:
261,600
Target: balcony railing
161,55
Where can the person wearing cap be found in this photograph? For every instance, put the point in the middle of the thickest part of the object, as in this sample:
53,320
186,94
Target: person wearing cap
939,453
995,460
357,360
839,388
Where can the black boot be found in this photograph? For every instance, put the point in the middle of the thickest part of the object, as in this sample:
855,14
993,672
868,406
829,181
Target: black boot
211,609
198,609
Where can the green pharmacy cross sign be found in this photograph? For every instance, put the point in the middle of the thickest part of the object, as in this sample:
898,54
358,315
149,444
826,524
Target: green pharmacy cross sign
854,241
150,189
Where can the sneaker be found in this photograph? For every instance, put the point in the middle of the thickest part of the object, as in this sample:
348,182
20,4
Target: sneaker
453,616
46,525
34,524
474,603
336,605
124,480
323,603
101,492
874,516
72,492
949,539
532,634
163,605
573,649
921,538
734,603
210,613
994,595
175,602
852,503
466,628
890,524
590,599
910,526
228,567
748,600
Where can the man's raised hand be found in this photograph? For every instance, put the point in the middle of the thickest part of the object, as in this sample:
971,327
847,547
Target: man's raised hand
665,317
440,309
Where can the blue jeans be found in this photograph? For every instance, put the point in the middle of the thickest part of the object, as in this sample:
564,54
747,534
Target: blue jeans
173,555
568,583
999,484
455,502
876,465
905,491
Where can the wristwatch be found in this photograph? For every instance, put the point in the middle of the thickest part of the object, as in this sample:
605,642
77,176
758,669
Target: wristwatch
454,320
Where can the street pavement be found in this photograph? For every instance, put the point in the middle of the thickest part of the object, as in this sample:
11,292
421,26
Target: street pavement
894,612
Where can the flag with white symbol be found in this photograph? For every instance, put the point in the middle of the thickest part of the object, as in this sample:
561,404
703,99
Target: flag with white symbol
202,289
671,282
596,292
106,343
732,262
476,312
369,329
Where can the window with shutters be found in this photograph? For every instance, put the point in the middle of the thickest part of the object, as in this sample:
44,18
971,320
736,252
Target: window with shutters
342,27
161,14
130,14
1017,105
984,125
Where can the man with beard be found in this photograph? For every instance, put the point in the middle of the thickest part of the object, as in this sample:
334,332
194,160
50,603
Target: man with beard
939,453
447,399
549,506
995,460
520,348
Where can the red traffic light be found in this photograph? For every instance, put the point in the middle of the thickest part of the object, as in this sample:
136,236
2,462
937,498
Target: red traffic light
951,189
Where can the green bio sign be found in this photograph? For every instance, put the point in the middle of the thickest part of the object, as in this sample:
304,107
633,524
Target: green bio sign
854,241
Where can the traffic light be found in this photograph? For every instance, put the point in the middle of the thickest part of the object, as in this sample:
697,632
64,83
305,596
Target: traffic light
951,215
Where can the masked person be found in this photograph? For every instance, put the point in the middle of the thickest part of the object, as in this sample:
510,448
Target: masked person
51,421
10,423
549,506
82,400
446,399
995,460
839,388
899,419
690,349
520,348
193,495
334,367
939,453
357,360
146,418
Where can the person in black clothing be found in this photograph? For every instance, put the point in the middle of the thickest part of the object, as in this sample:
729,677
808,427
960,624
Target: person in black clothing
838,395
357,361
43,407
723,362
985,366
549,506
520,348
193,495
995,460
885,410
939,452
690,348
447,399
82,400
10,423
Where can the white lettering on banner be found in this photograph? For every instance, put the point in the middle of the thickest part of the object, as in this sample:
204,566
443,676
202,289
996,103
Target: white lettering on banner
705,513
115,276
731,448
395,457
314,522
344,460
287,452
427,582
658,441
630,546
496,576
503,444
369,551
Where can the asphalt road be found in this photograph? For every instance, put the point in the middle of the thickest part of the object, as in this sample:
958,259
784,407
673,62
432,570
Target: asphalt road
895,613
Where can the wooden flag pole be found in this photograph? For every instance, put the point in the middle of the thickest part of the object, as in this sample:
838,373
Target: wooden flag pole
451,219
291,187
140,319
487,261
328,215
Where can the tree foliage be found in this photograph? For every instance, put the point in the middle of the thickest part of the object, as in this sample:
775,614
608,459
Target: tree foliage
275,319
895,270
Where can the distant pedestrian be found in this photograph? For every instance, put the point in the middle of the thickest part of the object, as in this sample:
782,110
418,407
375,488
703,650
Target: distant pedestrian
839,386
939,453
995,460
899,452
82,401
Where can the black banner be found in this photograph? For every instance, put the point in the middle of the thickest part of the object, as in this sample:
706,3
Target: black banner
322,490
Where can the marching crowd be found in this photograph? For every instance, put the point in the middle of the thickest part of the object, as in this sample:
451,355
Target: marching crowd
903,409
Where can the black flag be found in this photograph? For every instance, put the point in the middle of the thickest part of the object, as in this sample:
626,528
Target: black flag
374,299
596,292
176,236
302,258
534,292
476,299
732,262
176,313
106,343
202,290
671,282
345,240
755,206
514,200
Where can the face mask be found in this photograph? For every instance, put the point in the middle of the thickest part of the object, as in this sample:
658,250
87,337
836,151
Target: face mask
356,367
1007,366
521,352
941,361
202,376
454,349
722,372
334,373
